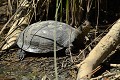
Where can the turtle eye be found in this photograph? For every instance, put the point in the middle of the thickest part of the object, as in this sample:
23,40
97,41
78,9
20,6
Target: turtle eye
84,24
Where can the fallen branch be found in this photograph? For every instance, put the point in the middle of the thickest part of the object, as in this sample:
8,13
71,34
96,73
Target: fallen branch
102,76
115,65
106,45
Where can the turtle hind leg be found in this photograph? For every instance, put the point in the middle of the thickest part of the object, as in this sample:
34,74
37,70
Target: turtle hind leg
21,54
71,50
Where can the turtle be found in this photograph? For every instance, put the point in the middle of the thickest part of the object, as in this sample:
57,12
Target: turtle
39,37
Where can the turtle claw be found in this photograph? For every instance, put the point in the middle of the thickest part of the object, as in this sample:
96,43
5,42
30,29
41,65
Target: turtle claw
21,54
67,51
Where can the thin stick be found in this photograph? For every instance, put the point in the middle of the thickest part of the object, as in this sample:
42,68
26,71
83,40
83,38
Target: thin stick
55,60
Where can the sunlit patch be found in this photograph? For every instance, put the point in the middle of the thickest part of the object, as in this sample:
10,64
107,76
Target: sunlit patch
60,28
60,25
50,22
51,26
33,50
44,31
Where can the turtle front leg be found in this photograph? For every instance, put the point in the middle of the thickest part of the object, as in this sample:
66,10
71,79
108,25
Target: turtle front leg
69,49
21,54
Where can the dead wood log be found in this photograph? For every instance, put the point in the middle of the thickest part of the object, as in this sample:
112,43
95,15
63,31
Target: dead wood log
106,45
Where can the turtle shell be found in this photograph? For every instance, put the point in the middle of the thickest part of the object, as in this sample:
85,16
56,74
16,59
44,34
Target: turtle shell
39,37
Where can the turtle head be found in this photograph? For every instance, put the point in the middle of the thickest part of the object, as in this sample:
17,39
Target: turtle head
81,32
84,28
